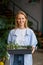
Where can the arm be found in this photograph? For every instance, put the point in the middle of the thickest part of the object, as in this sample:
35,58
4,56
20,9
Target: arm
34,42
33,49
9,38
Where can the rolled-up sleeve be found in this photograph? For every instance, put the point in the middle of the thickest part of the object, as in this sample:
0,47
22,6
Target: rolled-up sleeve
33,39
9,38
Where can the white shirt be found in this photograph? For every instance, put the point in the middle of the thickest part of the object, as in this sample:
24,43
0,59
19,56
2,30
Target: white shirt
22,37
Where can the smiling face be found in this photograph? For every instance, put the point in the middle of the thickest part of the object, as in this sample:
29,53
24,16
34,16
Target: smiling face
21,20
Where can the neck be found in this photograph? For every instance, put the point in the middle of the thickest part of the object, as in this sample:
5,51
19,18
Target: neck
21,27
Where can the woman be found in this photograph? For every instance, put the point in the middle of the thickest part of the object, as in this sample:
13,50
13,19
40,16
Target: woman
22,35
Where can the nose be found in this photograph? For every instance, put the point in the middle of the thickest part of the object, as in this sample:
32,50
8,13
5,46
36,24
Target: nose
20,19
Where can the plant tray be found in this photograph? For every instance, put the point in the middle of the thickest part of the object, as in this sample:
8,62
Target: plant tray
20,51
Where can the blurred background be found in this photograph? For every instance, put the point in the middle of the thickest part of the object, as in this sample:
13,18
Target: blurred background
34,11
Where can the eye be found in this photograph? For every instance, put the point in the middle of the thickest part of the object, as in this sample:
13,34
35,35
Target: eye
18,18
22,18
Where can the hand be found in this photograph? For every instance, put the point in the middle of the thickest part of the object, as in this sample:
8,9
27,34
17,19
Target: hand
33,49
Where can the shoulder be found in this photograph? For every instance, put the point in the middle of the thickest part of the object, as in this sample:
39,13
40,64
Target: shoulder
12,31
29,30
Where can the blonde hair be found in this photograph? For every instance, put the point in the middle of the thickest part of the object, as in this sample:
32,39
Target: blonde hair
20,12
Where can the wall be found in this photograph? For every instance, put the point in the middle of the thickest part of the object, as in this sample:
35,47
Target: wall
34,9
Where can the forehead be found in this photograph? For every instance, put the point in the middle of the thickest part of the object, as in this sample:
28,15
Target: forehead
21,15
